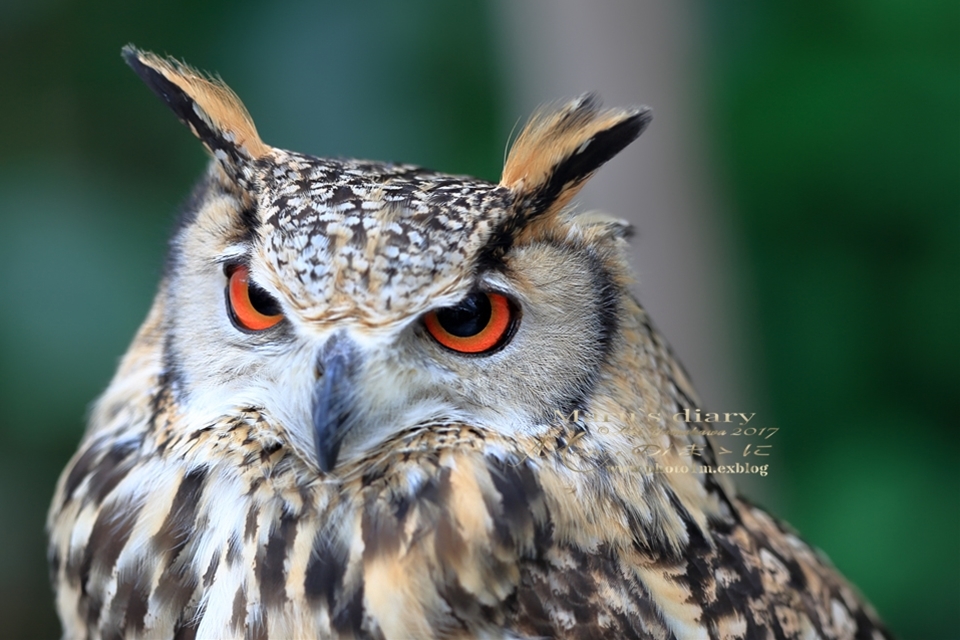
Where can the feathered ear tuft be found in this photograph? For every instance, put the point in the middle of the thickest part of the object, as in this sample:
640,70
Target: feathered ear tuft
212,111
558,151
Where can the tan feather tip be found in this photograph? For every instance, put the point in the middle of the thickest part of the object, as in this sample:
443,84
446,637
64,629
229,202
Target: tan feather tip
559,149
205,104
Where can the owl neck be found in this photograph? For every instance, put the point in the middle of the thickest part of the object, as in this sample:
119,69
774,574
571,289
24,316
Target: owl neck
642,426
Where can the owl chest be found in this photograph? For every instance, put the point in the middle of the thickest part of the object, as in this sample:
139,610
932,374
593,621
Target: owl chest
150,546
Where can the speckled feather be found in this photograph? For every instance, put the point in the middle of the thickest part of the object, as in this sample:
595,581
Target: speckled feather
474,502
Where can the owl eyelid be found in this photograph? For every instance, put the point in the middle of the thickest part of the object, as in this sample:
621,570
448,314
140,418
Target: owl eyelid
230,266
233,255
484,290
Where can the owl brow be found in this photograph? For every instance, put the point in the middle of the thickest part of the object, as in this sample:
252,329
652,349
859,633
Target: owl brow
233,254
491,279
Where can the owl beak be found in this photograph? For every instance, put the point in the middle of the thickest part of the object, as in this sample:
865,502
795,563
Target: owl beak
333,398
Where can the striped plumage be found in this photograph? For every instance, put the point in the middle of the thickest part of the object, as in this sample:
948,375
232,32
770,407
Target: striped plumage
343,474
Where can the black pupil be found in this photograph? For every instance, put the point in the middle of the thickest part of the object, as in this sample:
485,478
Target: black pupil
262,301
468,318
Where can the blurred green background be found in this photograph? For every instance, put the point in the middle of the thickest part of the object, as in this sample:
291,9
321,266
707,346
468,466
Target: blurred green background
834,132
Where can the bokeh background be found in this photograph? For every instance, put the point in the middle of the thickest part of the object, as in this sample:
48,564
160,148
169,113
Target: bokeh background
797,202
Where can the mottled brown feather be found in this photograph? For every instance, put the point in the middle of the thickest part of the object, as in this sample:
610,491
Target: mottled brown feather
181,517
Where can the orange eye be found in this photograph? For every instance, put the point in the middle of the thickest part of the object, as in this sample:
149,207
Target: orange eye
251,307
480,324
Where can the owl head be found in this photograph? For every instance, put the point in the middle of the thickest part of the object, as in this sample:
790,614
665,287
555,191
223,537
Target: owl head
349,302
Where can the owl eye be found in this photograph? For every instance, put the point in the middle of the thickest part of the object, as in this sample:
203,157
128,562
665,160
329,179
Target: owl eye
480,324
251,307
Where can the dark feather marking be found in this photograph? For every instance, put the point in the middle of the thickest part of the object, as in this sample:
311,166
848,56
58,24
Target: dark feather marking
250,222
131,601
578,594
137,610
90,607
211,569
53,563
730,598
257,629
113,468
179,523
187,630
698,552
372,631
268,449
582,594
324,575
250,526
108,537
749,585
269,566
534,617
381,532
623,622
606,328
645,539
401,505
106,470
865,625
234,548
324,580
463,605
81,469
450,545
607,303
518,489
499,242
798,581
756,632
179,580
200,433
164,394
239,610
348,618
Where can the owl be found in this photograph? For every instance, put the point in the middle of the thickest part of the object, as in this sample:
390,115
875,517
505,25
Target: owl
376,401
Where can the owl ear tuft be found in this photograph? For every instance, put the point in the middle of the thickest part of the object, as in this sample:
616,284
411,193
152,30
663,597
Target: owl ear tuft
208,106
557,151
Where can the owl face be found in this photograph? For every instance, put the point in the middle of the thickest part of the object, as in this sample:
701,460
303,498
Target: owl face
351,302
